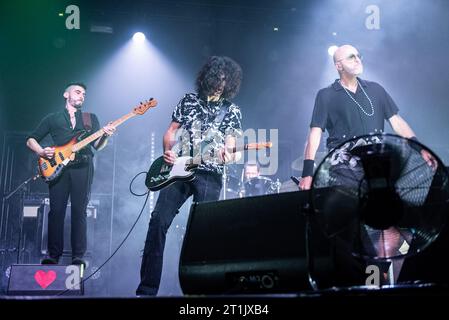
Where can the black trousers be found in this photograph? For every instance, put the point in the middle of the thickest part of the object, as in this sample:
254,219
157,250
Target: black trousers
75,182
205,187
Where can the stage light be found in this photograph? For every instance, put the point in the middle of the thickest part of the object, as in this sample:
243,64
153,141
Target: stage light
331,50
139,37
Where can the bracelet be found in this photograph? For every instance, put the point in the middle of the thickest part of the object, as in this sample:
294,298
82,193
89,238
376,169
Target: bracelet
308,166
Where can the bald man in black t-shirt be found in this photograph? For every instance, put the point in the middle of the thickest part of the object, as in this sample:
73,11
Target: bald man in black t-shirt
348,108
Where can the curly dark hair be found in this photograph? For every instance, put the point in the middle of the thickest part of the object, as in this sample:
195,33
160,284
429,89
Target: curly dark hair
216,69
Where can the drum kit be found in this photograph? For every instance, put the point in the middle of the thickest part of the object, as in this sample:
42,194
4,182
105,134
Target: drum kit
235,185
239,187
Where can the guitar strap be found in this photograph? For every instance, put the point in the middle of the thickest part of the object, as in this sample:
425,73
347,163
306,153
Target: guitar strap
219,117
87,121
208,142
218,120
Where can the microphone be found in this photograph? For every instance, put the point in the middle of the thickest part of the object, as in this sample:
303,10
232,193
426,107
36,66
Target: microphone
295,180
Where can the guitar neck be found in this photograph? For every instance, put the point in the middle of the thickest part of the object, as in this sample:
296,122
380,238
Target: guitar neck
85,142
246,147
238,149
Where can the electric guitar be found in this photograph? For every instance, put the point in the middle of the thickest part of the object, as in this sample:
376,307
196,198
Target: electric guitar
50,169
162,174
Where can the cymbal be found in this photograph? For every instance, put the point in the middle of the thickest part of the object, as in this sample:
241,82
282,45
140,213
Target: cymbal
259,178
298,163
288,186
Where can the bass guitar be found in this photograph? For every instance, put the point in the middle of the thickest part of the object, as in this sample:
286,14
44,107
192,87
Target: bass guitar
50,169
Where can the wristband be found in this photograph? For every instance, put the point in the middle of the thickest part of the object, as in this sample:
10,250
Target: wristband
307,170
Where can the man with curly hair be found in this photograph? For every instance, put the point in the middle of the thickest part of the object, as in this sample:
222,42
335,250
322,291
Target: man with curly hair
210,124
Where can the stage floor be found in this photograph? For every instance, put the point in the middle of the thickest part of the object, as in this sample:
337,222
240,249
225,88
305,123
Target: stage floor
403,300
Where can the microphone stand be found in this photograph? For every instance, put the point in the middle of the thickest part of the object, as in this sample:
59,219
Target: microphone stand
23,184
9,195
224,187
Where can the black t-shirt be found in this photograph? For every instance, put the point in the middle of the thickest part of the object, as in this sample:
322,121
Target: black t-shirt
337,113
59,127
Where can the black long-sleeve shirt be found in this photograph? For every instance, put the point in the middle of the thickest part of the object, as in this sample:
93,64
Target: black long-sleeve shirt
59,127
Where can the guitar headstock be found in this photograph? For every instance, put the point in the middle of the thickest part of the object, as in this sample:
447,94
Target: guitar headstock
144,106
258,146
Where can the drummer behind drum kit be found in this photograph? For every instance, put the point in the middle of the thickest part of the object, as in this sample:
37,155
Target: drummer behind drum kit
260,185
238,187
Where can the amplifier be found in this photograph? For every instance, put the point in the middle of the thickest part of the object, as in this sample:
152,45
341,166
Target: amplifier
91,214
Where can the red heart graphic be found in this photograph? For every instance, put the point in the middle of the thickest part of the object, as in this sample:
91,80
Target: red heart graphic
44,279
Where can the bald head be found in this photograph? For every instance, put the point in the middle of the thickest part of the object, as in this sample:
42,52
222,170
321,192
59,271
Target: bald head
347,61
343,52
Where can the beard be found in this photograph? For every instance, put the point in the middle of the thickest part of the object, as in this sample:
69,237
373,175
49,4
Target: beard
357,70
76,103
354,71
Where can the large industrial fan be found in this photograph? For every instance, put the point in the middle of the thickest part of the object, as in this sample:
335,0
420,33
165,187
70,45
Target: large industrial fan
380,198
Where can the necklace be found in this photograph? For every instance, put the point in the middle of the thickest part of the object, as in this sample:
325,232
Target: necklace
352,98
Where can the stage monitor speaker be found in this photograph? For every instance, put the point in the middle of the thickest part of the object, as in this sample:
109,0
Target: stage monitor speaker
250,245
45,280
